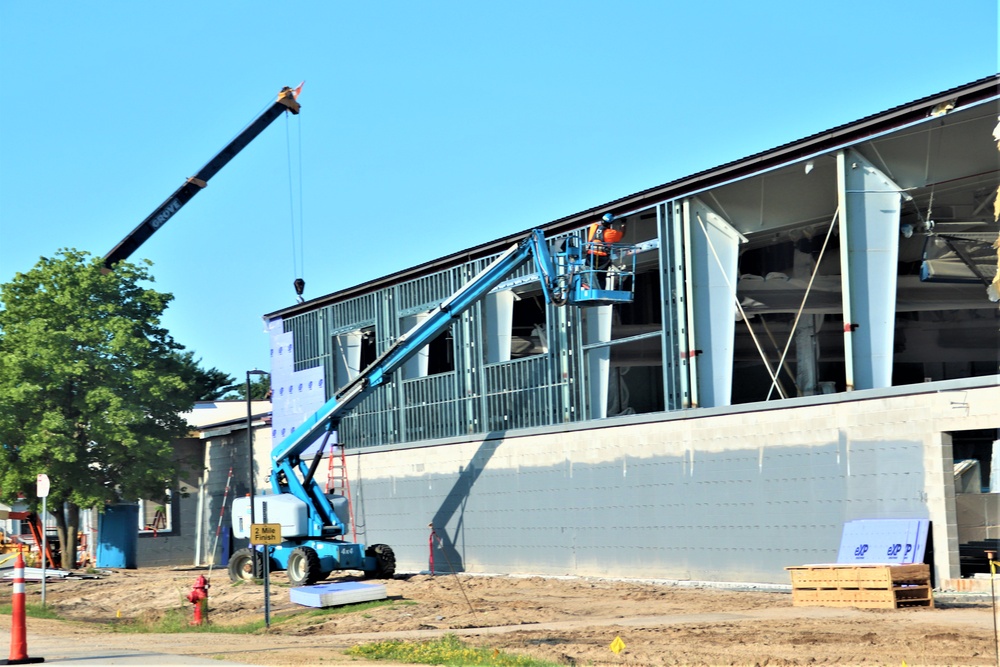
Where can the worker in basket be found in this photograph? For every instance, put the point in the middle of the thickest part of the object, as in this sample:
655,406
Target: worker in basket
600,236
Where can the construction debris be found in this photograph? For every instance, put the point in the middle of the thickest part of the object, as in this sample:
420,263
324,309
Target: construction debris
35,574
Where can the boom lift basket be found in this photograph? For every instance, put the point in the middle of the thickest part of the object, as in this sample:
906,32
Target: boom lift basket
600,274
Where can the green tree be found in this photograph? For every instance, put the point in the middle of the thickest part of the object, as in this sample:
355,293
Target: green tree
212,384
92,387
260,389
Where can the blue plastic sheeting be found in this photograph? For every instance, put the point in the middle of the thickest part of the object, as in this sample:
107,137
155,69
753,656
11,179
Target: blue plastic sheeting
898,541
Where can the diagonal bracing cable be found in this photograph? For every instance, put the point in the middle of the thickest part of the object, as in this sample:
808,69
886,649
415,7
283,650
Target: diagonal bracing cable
739,306
798,315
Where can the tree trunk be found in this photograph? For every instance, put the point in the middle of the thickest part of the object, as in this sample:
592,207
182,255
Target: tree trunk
60,516
72,530
67,527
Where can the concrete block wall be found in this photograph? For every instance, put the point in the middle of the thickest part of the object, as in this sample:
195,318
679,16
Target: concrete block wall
174,547
732,494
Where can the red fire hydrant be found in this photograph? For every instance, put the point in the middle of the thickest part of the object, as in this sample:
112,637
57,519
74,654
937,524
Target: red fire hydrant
199,597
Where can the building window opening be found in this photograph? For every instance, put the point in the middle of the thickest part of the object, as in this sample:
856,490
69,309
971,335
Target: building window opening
515,324
434,358
353,351
441,353
803,349
528,335
625,373
155,515
369,349
973,452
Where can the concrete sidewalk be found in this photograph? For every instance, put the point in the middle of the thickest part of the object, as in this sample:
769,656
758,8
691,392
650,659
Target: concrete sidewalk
54,650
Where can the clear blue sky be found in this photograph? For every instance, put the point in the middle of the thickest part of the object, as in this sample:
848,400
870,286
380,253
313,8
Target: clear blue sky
426,127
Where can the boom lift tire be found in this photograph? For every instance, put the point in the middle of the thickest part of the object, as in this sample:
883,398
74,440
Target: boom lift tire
246,565
385,562
303,567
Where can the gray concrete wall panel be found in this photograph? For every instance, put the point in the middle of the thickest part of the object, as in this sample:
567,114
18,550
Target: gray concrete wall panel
733,497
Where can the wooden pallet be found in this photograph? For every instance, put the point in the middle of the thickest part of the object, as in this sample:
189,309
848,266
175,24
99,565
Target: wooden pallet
867,586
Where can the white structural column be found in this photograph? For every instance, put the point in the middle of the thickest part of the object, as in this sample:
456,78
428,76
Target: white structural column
498,311
674,260
416,367
806,342
598,330
712,271
346,357
869,251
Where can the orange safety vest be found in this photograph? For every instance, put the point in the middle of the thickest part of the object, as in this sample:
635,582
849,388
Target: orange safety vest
599,234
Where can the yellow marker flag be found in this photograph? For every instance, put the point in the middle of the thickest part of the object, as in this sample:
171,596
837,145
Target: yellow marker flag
617,645
904,663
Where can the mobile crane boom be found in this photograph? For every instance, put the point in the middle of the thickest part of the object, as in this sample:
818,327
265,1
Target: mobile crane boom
287,101
312,522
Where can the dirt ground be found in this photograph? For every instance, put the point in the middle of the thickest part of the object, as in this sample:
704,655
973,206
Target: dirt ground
569,621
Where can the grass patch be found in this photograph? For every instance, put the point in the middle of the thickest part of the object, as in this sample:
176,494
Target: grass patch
179,620
448,650
33,610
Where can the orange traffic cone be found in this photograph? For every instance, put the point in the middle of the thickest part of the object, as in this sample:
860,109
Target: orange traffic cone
18,633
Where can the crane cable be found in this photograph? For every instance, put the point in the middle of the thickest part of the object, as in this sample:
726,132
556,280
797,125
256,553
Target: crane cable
298,249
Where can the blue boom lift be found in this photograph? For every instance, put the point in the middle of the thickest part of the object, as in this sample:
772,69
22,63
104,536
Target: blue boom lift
313,523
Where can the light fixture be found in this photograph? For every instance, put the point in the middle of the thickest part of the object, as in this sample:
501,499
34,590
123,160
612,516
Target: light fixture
250,436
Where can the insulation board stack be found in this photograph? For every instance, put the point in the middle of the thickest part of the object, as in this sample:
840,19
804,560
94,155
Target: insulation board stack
334,594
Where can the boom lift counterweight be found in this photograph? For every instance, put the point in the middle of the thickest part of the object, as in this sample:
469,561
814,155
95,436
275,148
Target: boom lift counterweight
313,523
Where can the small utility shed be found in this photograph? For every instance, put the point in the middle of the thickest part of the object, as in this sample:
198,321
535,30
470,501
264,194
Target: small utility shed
214,460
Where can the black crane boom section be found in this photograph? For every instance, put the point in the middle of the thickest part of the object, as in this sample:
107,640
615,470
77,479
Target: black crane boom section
286,102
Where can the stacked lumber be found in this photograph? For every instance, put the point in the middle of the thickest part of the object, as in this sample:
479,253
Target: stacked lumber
869,586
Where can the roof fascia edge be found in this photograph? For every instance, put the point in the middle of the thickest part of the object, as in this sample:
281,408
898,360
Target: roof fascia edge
827,150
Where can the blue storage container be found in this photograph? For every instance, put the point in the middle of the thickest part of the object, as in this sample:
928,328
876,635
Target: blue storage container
118,536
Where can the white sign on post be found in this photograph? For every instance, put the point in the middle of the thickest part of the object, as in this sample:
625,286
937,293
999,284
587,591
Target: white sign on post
42,481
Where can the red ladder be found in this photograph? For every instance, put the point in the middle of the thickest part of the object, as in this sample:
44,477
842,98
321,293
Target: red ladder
337,482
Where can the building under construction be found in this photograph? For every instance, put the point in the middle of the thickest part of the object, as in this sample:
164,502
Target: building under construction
814,339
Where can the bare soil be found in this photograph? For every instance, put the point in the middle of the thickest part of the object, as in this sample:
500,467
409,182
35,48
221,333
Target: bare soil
569,621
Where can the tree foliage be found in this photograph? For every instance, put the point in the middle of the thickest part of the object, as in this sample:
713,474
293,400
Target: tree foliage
260,389
211,384
92,386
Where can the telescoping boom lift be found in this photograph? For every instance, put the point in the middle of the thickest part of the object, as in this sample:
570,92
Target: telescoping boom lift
313,523
287,101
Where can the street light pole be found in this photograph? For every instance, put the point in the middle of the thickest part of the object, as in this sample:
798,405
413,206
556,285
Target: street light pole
250,438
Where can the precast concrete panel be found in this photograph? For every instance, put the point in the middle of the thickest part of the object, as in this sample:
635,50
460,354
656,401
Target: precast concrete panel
732,497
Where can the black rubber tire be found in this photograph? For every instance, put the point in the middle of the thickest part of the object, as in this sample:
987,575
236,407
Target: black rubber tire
303,567
246,565
385,562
